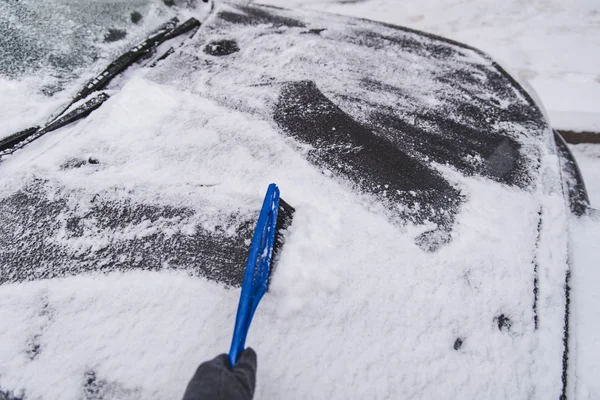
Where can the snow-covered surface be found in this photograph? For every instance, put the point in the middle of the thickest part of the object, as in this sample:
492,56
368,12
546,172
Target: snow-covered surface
22,106
553,44
355,310
585,279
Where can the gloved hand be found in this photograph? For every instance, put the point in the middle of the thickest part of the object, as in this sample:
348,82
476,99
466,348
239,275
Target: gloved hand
216,380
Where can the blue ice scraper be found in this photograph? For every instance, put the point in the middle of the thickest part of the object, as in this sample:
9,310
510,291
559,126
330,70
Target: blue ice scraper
275,216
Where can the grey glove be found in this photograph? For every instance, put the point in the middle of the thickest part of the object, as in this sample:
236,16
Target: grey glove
216,380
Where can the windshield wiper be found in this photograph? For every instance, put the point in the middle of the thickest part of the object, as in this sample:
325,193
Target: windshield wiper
18,140
168,31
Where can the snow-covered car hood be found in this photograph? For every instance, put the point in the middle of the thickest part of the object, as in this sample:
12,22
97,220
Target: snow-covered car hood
428,256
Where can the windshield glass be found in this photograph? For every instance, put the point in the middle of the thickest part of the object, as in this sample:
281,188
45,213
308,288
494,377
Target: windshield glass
50,48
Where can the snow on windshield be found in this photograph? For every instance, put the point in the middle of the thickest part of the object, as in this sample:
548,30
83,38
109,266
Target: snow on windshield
48,49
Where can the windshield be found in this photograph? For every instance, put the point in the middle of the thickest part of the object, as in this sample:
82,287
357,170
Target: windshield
49,49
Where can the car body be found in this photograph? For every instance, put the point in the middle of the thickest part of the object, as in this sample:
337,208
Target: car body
428,256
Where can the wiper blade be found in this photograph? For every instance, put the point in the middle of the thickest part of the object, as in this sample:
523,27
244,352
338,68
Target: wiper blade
17,141
12,140
168,31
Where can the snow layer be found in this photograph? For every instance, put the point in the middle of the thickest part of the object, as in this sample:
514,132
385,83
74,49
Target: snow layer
22,106
552,44
356,309
378,322
585,278
586,302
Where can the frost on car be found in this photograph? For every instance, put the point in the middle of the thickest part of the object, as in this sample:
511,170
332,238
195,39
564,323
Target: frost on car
429,252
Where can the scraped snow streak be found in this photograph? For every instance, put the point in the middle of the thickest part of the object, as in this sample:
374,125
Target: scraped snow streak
355,309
